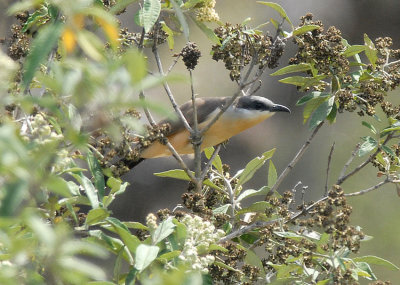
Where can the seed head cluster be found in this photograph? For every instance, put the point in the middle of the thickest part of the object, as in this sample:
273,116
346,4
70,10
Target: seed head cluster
238,47
19,41
323,49
190,55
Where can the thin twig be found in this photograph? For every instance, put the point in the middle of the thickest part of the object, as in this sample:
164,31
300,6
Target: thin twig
261,224
173,63
362,165
196,138
328,167
222,111
176,155
169,92
353,155
246,229
210,161
231,197
295,159
361,192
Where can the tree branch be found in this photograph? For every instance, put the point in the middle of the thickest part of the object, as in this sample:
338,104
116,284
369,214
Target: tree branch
168,90
295,159
210,161
362,165
361,192
328,167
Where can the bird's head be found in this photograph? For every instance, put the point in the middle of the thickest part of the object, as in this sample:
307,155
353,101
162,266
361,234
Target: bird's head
257,105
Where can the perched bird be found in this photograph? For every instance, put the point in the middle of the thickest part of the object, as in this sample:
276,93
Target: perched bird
245,113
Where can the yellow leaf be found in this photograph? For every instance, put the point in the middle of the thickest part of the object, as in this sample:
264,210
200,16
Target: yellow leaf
110,30
69,40
79,20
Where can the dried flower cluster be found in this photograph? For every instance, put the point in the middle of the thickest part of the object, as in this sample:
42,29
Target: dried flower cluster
128,39
19,41
190,55
239,46
321,49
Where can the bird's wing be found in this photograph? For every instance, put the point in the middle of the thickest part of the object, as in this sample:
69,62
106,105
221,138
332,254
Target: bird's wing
205,106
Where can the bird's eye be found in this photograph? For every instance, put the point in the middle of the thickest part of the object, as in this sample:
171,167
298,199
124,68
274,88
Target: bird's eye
259,106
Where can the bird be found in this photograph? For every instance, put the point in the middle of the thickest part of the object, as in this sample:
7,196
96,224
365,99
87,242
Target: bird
244,113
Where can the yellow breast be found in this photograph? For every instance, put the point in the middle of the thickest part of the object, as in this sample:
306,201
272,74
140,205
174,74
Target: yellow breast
222,130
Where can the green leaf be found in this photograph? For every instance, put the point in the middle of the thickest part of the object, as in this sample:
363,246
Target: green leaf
39,14
335,84
136,65
257,207
191,3
311,107
321,112
170,35
90,190
302,81
369,126
131,277
225,266
367,146
272,174
174,173
163,230
312,95
207,31
14,194
371,259
217,247
275,23
96,216
136,225
169,255
304,29
221,210
182,175
97,173
278,8
251,193
58,186
332,115
117,264
217,163
181,19
151,11
253,259
90,44
253,166
131,241
353,50
390,129
45,41
145,255
370,51
290,235
363,269
292,68
388,150
121,5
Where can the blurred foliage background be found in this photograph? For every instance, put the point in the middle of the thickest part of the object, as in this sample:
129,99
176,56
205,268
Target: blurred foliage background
377,212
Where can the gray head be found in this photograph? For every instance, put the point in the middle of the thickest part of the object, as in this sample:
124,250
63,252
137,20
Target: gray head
257,103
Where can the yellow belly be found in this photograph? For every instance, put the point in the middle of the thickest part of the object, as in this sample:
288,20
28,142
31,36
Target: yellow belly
219,132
